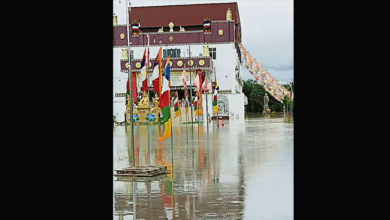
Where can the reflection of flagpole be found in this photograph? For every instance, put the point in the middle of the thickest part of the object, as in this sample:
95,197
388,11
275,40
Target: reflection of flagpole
147,87
190,102
134,188
197,104
169,94
215,77
128,9
207,109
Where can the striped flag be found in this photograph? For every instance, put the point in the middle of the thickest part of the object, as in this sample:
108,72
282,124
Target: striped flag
184,78
197,81
198,105
186,102
215,105
164,102
156,73
215,101
144,72
176,105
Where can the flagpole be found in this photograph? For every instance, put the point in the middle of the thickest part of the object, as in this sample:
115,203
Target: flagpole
197,104
192,115
207,109
170,116
128,8
147,87
215,77
188,104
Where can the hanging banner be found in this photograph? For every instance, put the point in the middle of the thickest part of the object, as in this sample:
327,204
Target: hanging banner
262,77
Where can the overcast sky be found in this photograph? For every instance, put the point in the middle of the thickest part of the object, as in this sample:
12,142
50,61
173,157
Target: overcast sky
267,32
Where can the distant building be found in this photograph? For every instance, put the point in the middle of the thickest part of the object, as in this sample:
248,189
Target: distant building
179,29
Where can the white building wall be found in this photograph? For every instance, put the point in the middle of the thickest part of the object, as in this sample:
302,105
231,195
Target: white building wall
119,80
225,65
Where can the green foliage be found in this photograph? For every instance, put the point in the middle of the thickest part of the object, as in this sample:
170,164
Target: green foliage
255,94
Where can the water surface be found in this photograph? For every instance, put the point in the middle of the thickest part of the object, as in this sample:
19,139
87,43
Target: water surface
243,170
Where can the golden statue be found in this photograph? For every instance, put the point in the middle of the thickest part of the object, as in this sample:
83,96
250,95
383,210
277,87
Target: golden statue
206,50
124,54
144,103
155,101
228,15
115,18
171,25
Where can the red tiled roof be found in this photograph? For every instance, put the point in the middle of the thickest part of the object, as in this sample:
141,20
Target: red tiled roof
182,15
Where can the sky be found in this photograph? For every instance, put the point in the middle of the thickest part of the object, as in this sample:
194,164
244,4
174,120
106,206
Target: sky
267,28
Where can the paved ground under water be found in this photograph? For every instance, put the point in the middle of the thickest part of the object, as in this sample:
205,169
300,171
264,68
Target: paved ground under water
243,170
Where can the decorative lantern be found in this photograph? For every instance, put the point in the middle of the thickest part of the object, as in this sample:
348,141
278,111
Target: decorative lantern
135,28
207,25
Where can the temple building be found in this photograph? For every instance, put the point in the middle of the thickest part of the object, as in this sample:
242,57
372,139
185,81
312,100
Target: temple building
197,37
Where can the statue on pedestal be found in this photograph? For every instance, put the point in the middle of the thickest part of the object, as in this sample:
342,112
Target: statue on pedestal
266,100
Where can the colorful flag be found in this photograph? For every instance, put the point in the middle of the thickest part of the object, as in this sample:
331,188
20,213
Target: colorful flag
144,72
156,72
184,78
134,87
176,105
164,102
204,88
216,86
215,104
196,106
186,102
164,98
197,80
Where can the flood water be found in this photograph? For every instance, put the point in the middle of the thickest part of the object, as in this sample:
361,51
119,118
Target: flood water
243,170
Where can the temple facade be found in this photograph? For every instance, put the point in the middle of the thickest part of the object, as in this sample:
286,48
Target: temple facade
197,37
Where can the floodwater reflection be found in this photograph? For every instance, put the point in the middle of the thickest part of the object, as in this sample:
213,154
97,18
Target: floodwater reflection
243,170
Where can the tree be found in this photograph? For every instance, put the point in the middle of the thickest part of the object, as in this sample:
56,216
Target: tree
255,94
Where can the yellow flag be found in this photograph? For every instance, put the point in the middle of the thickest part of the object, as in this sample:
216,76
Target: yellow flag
167,131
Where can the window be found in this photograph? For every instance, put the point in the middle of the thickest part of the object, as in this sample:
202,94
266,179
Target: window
173,53
213,53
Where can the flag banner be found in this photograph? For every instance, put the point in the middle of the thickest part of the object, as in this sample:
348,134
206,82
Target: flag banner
215,105
207,25
197,80
184,77
195,104
167,131
186,105
265,79
198,105
156,73
204,88
134,29
134,87
176,105
163,103
144,71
